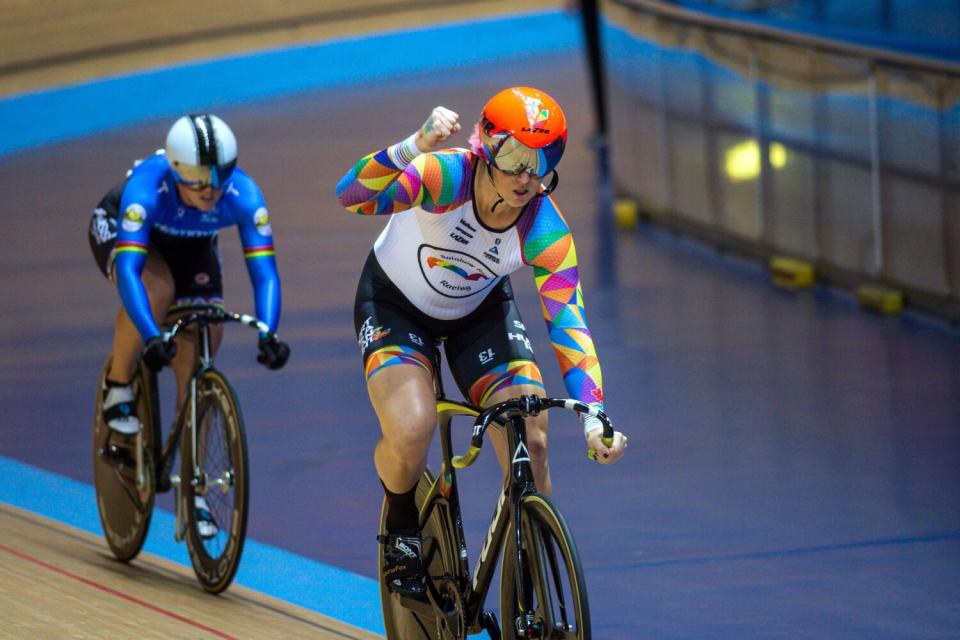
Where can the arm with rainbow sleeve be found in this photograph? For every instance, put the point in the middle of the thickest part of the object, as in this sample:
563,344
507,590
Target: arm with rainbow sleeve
256,236
129,258
390,181
548,247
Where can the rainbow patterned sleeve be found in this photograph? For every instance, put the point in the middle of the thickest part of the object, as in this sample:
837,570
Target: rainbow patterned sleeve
548,247
435,182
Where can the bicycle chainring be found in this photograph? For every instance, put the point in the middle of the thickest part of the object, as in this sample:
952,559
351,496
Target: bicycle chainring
454,626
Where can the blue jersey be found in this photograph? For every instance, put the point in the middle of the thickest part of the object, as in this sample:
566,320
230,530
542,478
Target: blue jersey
150,204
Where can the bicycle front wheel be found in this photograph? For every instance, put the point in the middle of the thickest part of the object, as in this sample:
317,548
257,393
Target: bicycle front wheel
123,468
551,574
215,481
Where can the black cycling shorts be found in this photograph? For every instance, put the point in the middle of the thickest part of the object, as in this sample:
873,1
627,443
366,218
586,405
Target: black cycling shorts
489,337
194,262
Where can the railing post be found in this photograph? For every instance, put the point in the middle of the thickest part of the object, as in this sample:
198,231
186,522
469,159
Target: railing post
761,110
876,187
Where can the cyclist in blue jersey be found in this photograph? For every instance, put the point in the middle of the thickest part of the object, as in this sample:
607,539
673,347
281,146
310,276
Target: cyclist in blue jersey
155,236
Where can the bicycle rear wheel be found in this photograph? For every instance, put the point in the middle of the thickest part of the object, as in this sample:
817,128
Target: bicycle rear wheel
439,555
124,500
219,476
551,571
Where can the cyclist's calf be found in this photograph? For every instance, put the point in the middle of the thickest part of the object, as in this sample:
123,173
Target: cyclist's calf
404,401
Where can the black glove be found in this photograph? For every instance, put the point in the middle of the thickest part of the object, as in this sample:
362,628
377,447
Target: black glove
158,352
273,352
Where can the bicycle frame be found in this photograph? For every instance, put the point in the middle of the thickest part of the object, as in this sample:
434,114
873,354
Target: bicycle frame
187,418
443,495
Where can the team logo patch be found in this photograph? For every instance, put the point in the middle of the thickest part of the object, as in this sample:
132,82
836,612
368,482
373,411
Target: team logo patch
369,334
100,227
261,219
202,278
454,274
134,217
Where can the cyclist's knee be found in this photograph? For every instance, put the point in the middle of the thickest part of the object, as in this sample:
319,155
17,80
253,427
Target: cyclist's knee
409,434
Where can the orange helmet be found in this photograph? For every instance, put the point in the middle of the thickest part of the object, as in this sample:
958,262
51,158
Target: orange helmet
522,129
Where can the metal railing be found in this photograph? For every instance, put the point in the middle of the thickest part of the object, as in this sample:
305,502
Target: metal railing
772,141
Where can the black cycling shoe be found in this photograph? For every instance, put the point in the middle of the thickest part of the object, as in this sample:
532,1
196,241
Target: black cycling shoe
403,563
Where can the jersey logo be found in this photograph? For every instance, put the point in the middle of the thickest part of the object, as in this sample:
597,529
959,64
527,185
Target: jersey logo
463,232
261,219
437,262
492,253
133,218
454,274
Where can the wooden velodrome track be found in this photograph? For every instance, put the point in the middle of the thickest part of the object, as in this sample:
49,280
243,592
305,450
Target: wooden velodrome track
56,581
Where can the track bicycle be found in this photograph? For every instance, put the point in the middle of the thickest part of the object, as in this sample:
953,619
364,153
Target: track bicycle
209,434
542,589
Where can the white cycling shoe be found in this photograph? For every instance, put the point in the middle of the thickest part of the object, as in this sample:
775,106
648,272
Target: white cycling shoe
206,525
120,409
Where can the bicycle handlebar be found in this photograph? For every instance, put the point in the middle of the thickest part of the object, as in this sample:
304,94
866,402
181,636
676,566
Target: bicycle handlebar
213,314
528,406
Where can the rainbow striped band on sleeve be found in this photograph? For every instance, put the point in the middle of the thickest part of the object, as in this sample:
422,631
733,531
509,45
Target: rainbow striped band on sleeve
129,246
262,251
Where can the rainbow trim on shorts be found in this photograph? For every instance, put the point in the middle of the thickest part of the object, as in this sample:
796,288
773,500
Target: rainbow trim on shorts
395,354
506,375
262,251
196,301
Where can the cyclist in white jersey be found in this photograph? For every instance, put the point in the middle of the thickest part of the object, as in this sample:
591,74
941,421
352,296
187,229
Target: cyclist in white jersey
465,219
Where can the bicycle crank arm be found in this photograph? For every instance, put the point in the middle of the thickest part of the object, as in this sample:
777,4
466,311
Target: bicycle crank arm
417,605
141,472
179,521
488,623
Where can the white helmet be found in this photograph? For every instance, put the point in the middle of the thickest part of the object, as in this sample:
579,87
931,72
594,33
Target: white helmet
201,150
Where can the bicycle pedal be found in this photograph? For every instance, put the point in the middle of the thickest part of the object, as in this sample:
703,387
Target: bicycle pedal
118,457
488,621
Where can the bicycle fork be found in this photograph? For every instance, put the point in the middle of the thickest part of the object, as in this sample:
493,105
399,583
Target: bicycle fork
522,483
180,519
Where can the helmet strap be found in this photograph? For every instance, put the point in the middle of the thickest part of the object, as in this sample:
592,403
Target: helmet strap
554,181
494,185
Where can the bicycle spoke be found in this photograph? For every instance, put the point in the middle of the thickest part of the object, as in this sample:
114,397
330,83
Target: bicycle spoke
216,464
